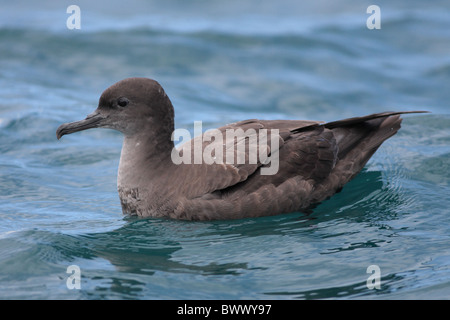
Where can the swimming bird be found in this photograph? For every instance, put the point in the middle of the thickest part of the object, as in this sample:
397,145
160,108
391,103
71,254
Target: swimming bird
315,159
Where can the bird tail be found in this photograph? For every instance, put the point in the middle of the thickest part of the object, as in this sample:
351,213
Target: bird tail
358,138
356,120
365,134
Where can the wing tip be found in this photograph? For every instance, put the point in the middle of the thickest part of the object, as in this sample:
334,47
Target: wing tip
355,120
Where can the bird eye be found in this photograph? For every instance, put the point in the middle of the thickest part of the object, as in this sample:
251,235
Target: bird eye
123,102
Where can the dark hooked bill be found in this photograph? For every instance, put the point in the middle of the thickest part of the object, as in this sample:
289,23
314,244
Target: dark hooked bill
93,120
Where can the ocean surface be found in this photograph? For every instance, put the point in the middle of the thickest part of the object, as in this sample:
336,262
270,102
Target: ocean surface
219,62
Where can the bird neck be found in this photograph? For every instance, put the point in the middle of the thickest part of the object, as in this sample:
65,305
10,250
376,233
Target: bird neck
143,157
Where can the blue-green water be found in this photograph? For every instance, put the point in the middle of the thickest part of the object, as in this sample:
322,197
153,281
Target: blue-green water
221,62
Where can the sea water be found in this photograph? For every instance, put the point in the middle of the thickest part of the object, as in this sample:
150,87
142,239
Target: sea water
62,232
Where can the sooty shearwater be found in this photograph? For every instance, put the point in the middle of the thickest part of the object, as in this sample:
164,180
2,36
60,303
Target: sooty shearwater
310,160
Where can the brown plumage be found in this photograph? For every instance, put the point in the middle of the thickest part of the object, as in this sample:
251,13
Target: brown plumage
316,159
